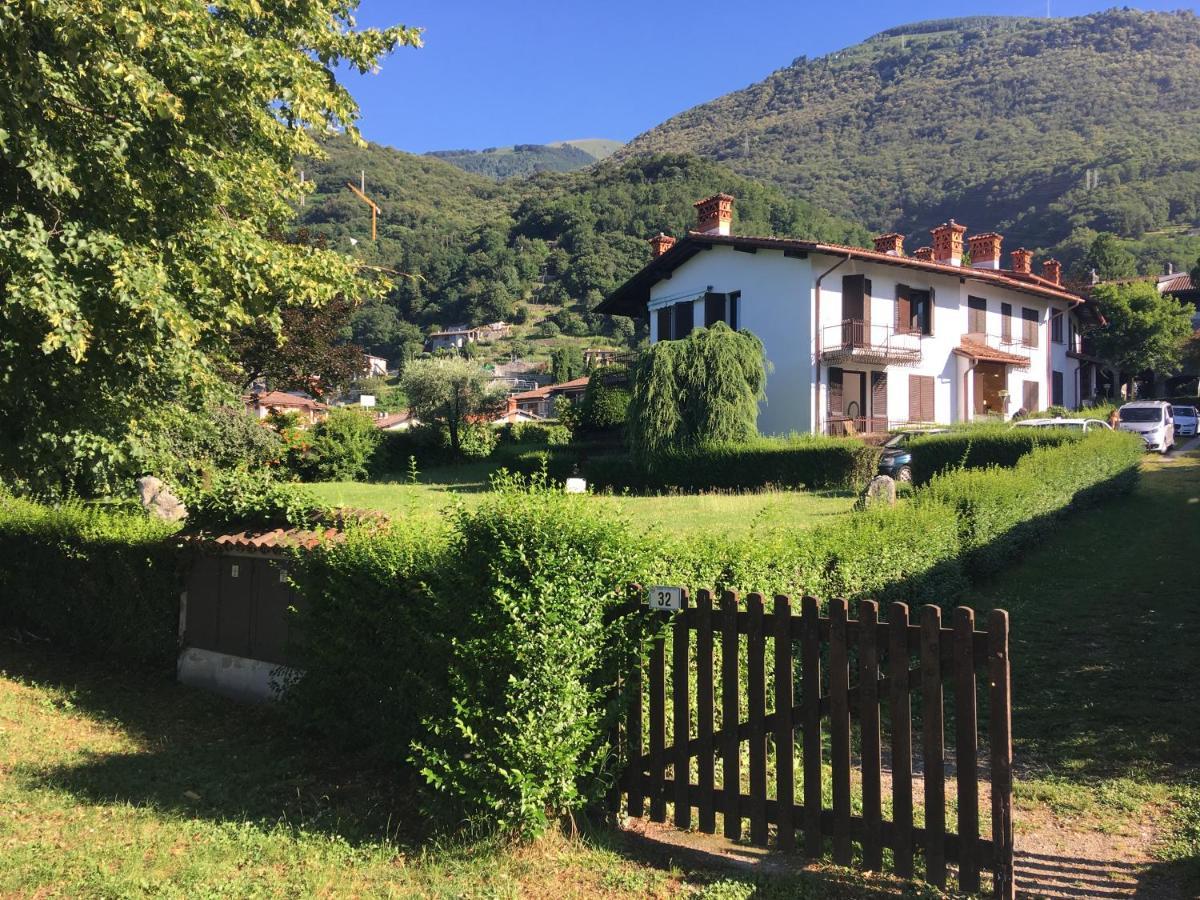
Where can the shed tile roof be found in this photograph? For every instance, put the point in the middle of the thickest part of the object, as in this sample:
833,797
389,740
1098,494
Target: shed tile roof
547,390
282,399
982,352
1180,281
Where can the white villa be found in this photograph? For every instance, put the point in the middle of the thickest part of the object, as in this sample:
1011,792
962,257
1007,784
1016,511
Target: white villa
864,340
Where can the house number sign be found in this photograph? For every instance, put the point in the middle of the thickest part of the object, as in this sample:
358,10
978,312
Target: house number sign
665,598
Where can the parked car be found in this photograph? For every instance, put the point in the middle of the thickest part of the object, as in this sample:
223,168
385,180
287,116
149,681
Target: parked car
1187,420
1153,420
1075,424
896,459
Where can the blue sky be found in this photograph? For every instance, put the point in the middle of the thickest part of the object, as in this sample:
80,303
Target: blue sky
536,71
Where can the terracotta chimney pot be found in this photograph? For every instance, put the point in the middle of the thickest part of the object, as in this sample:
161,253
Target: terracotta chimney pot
660,244
1022,261
1052,270
948,243
714,215
925,254
985,250
891,243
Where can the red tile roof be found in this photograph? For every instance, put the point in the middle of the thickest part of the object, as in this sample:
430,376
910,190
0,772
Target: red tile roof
982,352
1181,281
274,540
631,297
393,419
547,390
282,399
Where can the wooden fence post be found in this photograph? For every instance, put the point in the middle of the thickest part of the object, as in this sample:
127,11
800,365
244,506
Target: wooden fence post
756,693
810,691
901,709
1000,733
731,757
966,749
868,716
681,731
705,775
658,721
933,745
839,730
785,741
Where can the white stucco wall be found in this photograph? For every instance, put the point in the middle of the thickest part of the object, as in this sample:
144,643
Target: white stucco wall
778,303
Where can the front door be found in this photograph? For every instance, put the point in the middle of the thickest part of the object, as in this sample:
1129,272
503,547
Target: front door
989,382
854,397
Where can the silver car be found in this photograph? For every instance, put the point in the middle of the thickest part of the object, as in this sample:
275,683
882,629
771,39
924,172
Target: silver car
1153,420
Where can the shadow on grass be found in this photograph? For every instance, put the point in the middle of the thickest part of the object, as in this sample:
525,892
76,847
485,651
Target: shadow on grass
204,756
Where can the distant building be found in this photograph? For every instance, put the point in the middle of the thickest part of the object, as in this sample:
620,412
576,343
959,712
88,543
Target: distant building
267,402
457,337
594,357
540,401
401,421
374,365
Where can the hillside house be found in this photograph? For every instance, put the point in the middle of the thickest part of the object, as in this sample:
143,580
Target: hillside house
864,340
540,402
459,336
374,366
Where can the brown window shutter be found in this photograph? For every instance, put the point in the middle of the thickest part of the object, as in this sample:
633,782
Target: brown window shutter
927,411
1006,322
1029,396
664,323
929,314
879,413
852,297
1056,388
903,310
714,308
1029,326
835,392
920,398
685,319
976,315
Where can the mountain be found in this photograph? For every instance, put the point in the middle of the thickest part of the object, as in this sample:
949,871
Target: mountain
530,159
469,249
1045,130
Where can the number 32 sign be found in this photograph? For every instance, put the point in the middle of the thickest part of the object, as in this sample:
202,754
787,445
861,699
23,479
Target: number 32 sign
665,598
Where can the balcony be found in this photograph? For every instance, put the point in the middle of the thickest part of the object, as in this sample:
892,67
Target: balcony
1002,348
853,340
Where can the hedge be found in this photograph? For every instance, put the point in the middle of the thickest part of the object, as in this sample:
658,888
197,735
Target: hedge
99,581
980,446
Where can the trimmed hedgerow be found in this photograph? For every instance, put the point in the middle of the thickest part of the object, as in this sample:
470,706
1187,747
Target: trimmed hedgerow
980,446
104,582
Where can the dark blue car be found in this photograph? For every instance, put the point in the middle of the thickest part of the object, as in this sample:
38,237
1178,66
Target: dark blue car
896,459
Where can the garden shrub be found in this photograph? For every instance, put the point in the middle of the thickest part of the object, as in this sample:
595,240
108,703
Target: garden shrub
532,655
250,500
100,581
605,403
191,445
548,434
371,646
341,447
980,446
430,446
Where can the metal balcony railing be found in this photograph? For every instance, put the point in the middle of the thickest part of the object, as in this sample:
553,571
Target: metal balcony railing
845,426
854,339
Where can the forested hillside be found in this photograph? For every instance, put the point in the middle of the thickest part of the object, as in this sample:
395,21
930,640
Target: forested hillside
1044,129
523,159
471,250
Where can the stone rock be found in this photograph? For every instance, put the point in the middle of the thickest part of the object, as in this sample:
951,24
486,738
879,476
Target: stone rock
881,489
158,501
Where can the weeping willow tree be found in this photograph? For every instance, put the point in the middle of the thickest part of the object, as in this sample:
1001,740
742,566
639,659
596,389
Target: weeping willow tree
702,389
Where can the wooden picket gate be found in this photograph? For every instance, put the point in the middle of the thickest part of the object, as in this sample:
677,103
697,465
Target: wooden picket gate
869,671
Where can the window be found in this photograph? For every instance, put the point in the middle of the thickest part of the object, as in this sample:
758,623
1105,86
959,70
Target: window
665,316
856,298
920,398
1006,322
1056,388
1056,329
714,309
1072,337
976,315
734,303
1029,327
914,310
1029,396
685,319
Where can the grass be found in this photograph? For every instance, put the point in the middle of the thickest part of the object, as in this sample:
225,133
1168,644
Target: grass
1106,646
679,514
116,784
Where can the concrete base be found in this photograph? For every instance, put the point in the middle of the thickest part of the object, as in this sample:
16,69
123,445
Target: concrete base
236,677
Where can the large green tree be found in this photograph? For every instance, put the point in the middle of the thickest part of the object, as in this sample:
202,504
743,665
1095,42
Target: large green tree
146,169
448,391
1108,259
1145,330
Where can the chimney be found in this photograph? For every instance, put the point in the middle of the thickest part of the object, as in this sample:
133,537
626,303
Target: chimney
1052,270
948,243
660,244
1022,261
985,250
891,243
714,215
925,254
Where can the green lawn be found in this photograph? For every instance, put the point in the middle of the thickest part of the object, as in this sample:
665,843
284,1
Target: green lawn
1106,649
678,514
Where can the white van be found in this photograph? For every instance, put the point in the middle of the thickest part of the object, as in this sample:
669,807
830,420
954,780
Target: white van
1154,420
